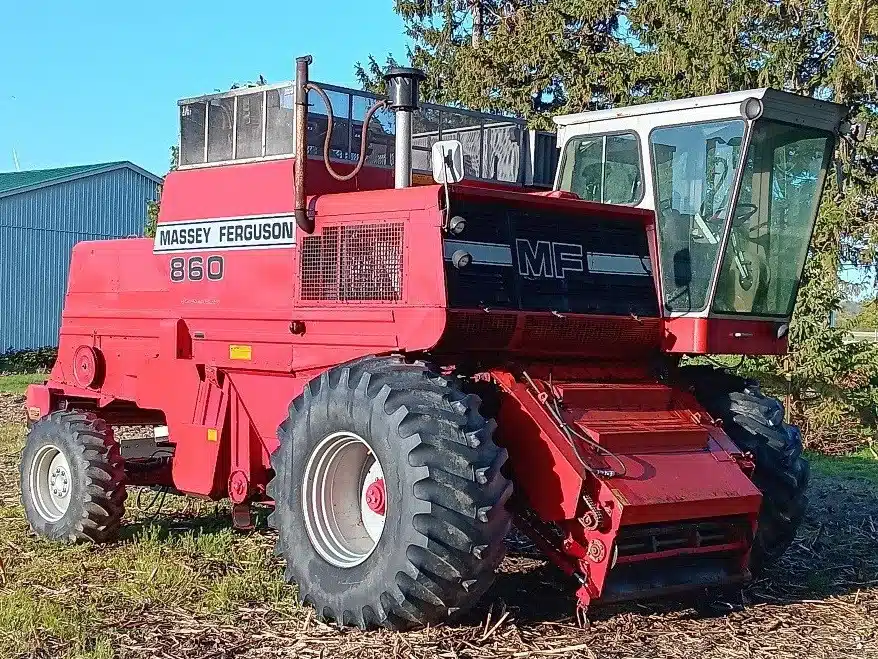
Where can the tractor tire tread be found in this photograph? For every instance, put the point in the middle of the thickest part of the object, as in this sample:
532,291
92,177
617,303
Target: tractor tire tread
754,422
459,538
97,515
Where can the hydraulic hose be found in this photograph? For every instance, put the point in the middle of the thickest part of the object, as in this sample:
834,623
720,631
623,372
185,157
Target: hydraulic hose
327,143
554,410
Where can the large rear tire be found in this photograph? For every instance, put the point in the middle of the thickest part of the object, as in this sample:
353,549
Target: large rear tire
73,478
442,495
755,423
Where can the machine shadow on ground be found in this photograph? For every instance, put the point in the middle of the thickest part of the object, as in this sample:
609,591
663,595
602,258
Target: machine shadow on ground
835,554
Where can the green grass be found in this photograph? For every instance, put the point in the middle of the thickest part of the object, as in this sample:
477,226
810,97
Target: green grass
64,601
861,466
17,384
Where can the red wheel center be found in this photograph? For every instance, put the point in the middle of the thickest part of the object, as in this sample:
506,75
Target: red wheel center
376,498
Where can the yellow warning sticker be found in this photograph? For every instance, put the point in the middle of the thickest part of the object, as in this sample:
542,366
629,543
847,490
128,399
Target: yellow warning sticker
240,352
211,434
619,496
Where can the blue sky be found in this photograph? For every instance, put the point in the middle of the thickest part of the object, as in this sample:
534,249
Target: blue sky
94,81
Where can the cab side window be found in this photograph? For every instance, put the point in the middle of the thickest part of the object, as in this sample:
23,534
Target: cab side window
603,168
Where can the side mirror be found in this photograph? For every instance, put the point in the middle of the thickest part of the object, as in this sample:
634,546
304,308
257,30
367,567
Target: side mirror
448,162
682,268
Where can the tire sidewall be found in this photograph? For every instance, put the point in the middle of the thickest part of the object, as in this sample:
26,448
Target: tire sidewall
47,432
352,410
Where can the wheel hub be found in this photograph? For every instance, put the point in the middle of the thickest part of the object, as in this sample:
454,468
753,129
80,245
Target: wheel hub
60,482
51,483
375,497
344,499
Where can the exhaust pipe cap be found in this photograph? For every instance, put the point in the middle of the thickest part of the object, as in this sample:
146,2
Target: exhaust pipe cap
402,87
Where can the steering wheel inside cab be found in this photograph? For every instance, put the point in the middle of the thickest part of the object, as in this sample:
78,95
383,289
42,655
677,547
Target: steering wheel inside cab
743,213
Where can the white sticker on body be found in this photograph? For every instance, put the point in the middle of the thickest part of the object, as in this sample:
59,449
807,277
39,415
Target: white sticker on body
223,233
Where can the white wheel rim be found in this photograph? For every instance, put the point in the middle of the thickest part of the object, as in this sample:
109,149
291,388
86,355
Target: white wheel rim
51,482
341,491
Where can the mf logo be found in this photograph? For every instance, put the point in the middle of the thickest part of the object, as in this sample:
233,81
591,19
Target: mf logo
547,259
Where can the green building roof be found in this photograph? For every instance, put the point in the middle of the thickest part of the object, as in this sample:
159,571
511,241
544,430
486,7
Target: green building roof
12,181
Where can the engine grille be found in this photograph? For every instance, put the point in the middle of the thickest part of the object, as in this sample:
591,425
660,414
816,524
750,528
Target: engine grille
541,333
479,331
351,263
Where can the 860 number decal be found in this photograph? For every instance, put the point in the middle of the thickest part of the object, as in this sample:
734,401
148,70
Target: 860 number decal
196,268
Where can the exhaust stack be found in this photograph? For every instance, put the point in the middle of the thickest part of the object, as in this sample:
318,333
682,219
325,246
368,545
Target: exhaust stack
300,209
402,88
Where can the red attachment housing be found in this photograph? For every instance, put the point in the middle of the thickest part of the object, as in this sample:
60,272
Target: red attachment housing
681,491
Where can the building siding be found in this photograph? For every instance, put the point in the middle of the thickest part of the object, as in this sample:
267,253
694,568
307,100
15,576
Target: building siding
38,228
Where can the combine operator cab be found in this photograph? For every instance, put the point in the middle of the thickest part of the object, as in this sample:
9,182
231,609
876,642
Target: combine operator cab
735,182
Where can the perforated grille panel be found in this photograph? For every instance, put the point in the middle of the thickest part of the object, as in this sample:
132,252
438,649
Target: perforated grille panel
545,333
479,331
350,263
582,333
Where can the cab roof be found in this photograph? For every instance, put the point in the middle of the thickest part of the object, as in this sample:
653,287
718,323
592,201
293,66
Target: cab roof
779,105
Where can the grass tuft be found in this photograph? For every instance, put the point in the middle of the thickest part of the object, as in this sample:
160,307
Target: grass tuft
859,466
17,384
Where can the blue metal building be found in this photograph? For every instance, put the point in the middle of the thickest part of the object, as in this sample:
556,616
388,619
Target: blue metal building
43,213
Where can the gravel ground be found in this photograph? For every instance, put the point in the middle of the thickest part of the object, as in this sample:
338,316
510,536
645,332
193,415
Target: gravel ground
11,409
820,601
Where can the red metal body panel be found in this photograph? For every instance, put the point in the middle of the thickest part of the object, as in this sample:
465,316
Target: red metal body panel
723,336
150,331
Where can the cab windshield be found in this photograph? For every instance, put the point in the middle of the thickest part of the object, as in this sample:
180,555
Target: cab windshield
780,190
782,176
695,168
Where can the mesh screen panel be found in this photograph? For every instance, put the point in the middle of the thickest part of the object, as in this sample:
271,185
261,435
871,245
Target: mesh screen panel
192,118
468,131
279,121
583,334
353,263
481,331
220,119
248,143
502,152
478,331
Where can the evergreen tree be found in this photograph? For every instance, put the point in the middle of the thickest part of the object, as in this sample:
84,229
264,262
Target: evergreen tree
538,58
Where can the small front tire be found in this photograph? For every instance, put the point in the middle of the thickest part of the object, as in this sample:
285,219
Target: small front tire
73,478
755,423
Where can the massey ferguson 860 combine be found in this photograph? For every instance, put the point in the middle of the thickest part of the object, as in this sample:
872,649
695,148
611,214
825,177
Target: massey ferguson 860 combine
402,371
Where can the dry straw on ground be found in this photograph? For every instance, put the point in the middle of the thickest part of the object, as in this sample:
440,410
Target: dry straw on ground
167,591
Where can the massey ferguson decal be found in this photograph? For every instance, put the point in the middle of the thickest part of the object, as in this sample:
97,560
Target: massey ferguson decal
251,232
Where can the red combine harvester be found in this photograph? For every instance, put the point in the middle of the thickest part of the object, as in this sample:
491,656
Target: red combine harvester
403,371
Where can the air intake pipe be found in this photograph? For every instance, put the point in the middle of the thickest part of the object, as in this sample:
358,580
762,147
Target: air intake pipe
300,208
402,88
